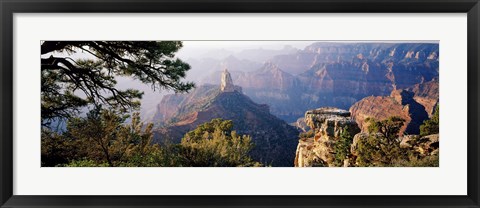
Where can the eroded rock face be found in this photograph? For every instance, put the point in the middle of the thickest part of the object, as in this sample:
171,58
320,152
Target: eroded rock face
327,123
400,103
301,125
172,107
167,108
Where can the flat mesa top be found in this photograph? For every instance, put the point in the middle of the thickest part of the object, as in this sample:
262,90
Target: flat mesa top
329,111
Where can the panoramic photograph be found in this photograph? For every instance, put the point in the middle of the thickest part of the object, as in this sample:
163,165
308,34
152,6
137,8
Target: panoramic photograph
240,103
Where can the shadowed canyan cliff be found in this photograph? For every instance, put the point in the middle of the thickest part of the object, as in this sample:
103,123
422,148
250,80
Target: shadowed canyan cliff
400,103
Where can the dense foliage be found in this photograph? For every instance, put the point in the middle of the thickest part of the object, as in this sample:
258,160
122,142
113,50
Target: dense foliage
214,144
389,128
104,138
382,146
431,126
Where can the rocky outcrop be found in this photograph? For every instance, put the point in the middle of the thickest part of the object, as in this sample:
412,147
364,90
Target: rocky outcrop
226,83
271,85
301,125
174,107
318,150
400,103
327,124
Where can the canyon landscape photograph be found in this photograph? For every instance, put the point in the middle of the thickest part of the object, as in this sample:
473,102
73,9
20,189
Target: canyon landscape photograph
240,104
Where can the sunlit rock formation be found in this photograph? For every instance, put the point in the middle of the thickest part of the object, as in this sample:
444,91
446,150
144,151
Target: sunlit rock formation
327,124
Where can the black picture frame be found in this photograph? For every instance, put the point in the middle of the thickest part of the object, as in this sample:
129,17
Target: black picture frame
10,7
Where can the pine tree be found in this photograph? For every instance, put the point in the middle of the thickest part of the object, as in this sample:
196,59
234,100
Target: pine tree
381,147
68,85
105,138
342,147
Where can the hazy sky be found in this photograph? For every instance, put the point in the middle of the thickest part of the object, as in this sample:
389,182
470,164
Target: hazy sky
245,44
267,44
193,49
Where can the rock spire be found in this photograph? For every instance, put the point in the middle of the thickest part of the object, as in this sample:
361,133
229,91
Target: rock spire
227,83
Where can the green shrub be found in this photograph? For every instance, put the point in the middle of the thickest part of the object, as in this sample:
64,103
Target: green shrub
431,126
214,144
389,128
102,136
381,147
84,163
427,161
57,149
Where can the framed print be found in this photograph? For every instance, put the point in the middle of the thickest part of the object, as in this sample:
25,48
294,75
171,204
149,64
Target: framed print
247,104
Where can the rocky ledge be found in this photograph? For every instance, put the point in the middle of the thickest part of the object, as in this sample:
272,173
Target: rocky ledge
326,125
